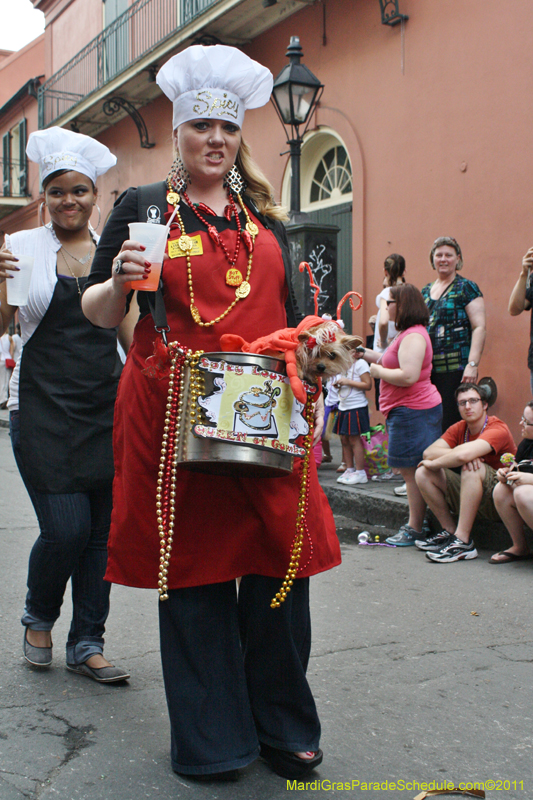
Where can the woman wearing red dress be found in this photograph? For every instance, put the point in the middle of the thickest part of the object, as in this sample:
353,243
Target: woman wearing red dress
234,668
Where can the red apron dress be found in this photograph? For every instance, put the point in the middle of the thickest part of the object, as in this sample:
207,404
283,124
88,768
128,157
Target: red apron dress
225,527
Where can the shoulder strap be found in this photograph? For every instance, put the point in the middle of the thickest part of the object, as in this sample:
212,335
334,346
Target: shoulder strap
152,202
151,207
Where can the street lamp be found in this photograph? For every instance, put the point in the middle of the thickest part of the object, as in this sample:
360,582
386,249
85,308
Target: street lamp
295,94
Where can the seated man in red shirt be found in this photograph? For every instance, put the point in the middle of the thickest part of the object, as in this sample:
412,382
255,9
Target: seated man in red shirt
474,445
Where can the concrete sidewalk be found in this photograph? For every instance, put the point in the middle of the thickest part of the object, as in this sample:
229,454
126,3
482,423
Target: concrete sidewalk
374,505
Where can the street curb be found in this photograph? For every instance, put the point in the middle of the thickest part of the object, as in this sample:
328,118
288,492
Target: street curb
392,512
370,509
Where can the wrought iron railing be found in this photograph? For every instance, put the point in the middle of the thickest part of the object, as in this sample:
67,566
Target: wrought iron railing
131,36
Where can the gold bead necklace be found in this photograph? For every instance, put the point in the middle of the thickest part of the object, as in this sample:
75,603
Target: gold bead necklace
185,244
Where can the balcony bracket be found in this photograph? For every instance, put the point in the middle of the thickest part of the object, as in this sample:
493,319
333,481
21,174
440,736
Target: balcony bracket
116,104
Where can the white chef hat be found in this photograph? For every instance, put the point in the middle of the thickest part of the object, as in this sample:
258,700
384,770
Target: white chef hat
57,148
217,82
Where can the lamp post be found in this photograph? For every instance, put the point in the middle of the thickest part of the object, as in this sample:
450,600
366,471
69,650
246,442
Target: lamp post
295,95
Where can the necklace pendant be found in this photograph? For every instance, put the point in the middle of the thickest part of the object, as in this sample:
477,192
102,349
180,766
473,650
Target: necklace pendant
252,228
195,314
173,198
233,277
205,209
243,290
185,243
248,241
213,233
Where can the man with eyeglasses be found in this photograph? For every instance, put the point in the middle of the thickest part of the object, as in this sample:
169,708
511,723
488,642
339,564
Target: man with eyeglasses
458,474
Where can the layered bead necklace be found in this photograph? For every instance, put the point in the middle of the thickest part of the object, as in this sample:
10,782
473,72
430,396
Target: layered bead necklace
85,261
185,243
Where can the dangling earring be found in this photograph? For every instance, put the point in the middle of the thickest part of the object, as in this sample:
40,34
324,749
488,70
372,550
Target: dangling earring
234,180
95,228
178,178
41,220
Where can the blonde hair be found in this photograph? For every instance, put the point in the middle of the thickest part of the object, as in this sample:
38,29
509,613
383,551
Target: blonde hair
258,188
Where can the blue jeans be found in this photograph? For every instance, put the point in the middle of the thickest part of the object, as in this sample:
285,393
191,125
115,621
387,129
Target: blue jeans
234,672
72,544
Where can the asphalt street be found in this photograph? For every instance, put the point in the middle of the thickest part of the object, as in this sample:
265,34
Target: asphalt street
422,672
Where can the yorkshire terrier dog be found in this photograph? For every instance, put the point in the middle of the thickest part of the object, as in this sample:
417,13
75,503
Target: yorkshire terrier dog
316,349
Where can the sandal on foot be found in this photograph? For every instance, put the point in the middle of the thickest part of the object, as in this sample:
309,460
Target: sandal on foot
509,557
100,674
287,764
36,656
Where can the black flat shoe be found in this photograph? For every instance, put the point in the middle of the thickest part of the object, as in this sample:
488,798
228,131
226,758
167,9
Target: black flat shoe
36,656
287,764
228,776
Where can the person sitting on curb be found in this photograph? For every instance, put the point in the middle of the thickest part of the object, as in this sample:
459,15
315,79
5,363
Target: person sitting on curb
513,496
474,446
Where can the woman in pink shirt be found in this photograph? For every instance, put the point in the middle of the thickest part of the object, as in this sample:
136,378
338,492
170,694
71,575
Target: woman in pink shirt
408,399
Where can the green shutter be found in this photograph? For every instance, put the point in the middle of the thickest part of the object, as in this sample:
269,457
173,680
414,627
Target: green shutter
6,162
23,175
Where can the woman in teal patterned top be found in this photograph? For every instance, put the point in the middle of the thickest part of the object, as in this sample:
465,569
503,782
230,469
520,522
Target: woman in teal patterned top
456,325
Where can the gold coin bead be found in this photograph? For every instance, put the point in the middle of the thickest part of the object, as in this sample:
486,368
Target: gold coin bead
301,515
242,291
166,479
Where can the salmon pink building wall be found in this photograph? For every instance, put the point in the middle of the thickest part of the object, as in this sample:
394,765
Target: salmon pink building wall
439,135
21,66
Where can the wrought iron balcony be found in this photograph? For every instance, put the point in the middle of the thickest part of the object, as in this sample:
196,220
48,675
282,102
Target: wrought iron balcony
131,36
120,63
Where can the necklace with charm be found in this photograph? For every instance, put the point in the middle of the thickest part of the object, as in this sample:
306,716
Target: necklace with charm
84,260
76,277
233,276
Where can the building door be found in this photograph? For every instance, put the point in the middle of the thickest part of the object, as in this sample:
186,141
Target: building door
340,215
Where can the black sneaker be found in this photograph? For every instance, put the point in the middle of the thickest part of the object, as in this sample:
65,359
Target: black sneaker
454,550
435,542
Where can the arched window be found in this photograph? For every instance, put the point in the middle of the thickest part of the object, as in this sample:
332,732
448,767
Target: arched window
333,177
326,172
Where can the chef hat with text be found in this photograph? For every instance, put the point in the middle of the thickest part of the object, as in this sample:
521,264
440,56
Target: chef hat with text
56,148
214,82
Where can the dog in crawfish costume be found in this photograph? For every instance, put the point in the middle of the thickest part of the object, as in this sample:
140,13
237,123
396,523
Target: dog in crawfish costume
316,349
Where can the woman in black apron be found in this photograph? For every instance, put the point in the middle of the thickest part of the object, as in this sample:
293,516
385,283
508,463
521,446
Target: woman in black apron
61,408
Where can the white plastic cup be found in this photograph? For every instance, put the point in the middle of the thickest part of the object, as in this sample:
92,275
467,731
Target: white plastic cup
19,285
154,238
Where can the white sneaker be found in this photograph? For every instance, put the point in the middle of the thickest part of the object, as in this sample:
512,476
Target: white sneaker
401,491
351,478
346,477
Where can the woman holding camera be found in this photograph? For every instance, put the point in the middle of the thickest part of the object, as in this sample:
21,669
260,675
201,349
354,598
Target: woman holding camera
513,496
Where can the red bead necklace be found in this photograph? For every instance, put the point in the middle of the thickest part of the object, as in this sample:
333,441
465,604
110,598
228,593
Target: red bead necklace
212,231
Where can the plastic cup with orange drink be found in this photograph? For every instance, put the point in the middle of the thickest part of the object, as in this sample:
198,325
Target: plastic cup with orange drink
154,239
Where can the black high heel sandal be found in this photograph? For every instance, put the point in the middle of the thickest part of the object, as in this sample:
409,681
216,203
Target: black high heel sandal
287,764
